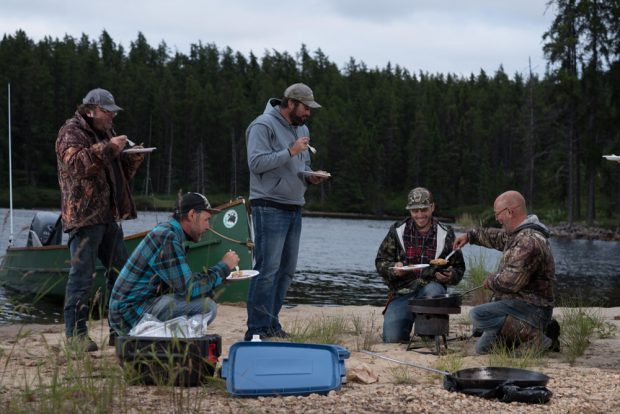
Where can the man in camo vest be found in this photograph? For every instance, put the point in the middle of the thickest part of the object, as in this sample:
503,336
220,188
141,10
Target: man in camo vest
523,285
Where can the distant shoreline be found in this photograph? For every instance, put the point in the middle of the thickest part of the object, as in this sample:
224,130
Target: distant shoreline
559,231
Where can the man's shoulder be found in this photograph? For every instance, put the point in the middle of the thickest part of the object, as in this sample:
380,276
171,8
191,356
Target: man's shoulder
447,227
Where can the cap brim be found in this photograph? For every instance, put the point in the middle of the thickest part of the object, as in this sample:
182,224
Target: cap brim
111,108
213,210
411,207
313,104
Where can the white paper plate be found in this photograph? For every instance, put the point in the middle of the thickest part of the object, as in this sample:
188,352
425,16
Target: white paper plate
139,150
612,157
246,275
412,267
317,174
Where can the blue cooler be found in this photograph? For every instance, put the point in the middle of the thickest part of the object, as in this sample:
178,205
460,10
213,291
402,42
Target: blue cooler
255,369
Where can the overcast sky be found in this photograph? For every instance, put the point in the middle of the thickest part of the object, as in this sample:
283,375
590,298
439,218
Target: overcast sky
435,36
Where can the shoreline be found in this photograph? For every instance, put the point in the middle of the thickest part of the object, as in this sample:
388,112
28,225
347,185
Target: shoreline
31,353
562,230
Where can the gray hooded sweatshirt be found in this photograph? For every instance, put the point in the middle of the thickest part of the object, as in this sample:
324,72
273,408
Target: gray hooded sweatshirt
274,174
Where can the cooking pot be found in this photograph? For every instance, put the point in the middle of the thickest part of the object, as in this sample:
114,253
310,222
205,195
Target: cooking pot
483,377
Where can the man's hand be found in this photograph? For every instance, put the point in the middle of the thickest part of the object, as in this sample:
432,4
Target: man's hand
300,145
444,276
460,241
231,258
313,179
485,284
118,143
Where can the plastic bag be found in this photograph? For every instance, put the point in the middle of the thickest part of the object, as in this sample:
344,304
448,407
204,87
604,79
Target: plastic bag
180,327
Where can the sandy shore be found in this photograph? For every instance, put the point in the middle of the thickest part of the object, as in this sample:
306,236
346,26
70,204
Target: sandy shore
590,385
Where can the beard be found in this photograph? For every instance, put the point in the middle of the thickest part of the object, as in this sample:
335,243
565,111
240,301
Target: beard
296,120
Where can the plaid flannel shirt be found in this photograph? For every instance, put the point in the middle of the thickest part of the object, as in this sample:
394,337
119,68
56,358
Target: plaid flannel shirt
158,266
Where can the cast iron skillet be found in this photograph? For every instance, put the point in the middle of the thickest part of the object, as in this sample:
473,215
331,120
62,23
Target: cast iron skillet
483,377
491,377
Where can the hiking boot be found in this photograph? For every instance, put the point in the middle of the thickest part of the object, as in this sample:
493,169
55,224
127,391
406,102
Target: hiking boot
112,339
553,332
83,343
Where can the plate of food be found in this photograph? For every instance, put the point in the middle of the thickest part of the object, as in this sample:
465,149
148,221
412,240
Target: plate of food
317,174
139,150
411,267
242,274
612,157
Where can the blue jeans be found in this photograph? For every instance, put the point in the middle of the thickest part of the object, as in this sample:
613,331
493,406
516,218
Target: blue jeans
398,319
103,241
170,306
489,318
276,234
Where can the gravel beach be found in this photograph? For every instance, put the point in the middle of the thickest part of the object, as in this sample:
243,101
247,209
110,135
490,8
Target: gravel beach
31,355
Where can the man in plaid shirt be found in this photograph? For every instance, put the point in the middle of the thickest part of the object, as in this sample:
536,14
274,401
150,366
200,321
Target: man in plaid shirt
157,279
416,240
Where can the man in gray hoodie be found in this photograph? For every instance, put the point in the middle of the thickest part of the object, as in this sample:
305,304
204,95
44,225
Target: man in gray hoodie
277,146
524,283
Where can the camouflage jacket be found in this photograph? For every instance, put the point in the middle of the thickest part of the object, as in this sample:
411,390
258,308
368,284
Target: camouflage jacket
91,192
527,269
392,250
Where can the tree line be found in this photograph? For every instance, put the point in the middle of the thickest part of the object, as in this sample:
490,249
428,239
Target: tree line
381,131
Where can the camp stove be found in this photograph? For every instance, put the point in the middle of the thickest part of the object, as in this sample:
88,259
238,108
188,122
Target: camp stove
432,318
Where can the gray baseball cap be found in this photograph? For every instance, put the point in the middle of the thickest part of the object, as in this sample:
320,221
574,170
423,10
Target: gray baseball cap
302,93
102,98
419,197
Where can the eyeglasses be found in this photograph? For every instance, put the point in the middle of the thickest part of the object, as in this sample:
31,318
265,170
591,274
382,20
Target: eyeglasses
306,107
105,111
500,212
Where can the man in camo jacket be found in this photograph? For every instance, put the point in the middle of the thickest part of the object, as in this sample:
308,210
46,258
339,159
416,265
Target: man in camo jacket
416,240
523,286
93,175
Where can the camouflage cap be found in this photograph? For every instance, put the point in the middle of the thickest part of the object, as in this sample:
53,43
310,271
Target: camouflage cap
302,93
419,197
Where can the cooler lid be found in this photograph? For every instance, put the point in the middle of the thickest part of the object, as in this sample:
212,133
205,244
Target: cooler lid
283,368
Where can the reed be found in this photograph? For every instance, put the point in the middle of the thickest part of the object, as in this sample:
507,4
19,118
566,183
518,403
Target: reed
366,335
402,374
321,330
475,275
451,362
578,325
502,354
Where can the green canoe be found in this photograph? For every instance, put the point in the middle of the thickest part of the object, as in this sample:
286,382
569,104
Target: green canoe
42,271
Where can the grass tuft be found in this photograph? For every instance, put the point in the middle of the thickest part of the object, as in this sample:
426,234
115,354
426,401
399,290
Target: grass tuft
321,330
366,336
577,326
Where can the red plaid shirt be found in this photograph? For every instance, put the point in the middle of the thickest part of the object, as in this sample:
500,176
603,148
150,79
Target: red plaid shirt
419,247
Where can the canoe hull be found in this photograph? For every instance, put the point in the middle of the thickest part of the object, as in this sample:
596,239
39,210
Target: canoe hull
43,271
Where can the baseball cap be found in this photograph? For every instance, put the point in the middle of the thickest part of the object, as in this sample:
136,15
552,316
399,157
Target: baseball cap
102,98
419,197
194,201
302,93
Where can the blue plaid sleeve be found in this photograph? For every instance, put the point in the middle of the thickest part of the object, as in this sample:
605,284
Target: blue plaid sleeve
172,268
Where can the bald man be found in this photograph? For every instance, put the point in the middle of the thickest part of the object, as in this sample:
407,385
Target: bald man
523,298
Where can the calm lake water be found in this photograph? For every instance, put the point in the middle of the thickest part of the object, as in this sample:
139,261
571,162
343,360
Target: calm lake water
336,265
